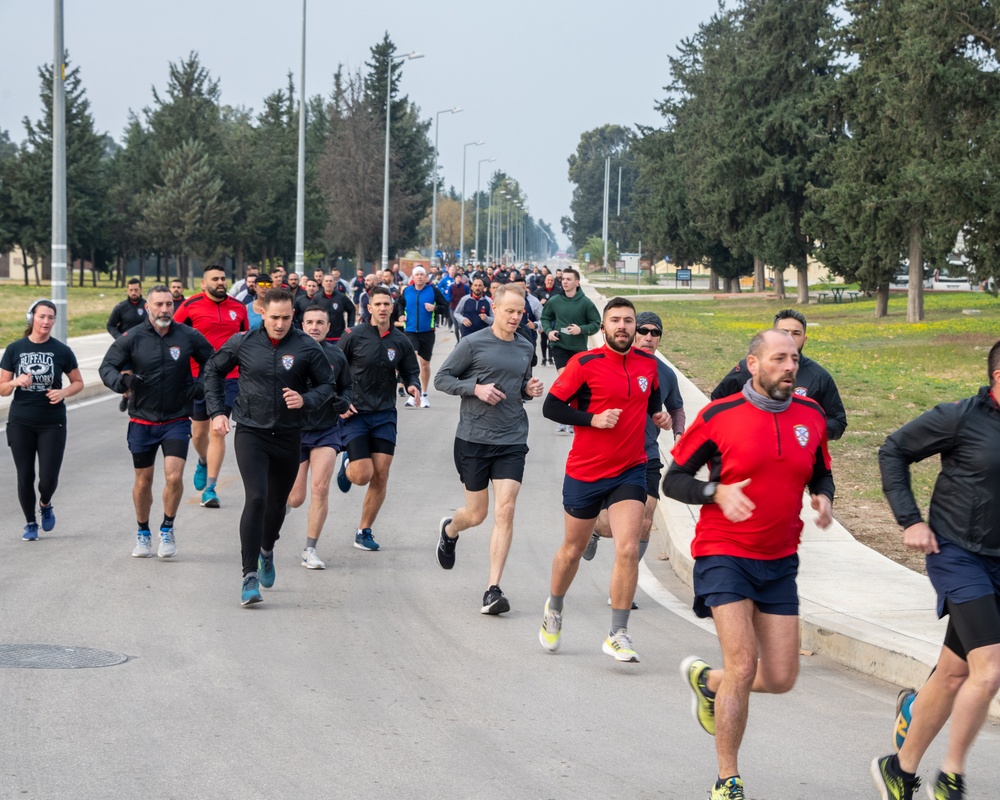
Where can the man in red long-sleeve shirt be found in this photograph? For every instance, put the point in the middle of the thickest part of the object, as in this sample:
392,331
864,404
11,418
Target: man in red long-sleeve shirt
763,448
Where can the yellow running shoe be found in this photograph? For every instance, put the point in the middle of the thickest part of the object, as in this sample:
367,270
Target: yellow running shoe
695,672
620,647
551,631
730,789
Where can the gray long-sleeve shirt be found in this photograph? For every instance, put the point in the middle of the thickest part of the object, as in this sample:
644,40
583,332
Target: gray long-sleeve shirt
482,358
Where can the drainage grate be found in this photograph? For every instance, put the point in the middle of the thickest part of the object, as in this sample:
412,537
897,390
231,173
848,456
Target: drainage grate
56,656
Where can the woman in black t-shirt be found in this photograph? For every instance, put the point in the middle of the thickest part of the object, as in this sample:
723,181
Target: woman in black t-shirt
33,368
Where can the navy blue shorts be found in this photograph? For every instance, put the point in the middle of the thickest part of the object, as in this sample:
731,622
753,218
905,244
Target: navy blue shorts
329,437
961,576
654,469
369,432
719,580
145,440
585,499
199,411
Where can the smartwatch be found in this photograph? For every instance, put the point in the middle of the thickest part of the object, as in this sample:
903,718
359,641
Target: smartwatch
708,492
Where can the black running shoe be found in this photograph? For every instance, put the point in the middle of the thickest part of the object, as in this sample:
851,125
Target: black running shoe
494,602
446,545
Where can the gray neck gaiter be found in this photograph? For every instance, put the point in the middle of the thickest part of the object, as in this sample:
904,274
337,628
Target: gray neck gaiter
762,401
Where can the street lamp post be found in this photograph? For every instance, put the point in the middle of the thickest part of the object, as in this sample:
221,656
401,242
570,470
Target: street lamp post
300,189
461,232
478,169
385,189
434,204
59,246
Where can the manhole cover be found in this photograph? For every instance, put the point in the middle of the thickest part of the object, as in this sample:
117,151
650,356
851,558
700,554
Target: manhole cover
56,656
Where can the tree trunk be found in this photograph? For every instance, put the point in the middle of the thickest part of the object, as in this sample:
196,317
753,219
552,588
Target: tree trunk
882,301
758,274
159,261
802,297
915,292
359,252
93,268
779,283
142,265
713,281
238,262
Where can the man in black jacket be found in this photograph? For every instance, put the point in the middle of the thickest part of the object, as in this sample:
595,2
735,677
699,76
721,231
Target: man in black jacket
160,388
812,381
962,542
282,372
375,352
129,312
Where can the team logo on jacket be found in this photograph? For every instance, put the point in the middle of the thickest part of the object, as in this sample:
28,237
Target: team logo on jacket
801,391
140,311
391,352
232,315
801,435
175,353
287,361
643,383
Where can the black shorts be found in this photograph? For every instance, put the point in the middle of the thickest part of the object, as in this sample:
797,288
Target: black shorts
199,412
329,437
478,464
770,583
558,356
654,468
423,343
585,499
145,440
972,624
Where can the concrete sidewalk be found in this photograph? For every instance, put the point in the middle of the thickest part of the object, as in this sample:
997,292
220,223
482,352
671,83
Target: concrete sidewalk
858,607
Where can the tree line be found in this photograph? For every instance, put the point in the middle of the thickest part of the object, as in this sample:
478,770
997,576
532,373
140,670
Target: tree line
865,135
193,178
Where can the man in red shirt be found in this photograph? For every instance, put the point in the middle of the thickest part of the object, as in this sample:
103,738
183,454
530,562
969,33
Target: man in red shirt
763,448
606,394
217,316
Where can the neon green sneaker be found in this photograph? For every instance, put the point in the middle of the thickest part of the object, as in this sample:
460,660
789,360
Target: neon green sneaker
695,672
551,630
889,781
730,789
947,786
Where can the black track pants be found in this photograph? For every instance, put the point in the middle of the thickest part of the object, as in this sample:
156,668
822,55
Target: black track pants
268,462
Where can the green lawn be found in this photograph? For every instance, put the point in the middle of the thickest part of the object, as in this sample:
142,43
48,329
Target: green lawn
887,371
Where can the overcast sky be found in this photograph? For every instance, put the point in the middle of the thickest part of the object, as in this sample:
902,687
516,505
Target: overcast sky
529,76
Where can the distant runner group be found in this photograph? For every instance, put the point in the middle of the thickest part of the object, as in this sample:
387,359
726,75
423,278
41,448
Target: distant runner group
311,369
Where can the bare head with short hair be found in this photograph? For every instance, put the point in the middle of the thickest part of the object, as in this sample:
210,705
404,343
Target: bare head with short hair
993,365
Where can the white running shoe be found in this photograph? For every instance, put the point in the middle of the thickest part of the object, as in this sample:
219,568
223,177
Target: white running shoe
411,402
143,545
310,560
620,647
168,549
424,402
550,634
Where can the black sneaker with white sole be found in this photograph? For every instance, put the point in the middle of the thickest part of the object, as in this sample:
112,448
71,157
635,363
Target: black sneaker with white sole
494,602
446,545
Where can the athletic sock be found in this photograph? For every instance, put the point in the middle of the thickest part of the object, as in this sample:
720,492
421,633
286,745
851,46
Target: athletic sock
211,482
310,542
144,526
168,522
619,619
556,602
202,462
252,574
642,548
266,553
894,766
719,783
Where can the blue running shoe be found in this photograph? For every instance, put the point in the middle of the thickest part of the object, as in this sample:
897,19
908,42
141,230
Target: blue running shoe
363,540
251,593
201,477
209,499
31,533
904,715
265,569
342,481
48,517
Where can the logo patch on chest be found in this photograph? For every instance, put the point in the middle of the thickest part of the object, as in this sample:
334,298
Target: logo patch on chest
287,361
391,352
801,435
643,383
232,315
801,391
175,353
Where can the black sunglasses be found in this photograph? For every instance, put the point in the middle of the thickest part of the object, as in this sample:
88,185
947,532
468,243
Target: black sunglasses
649,331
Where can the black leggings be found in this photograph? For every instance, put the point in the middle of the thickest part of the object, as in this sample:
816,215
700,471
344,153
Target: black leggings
26,444
269,463
544,339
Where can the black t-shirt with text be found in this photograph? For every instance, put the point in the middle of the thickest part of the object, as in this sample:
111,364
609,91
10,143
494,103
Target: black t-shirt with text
46,363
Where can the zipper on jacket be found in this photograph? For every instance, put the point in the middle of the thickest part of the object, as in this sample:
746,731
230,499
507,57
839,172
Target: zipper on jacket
628,381
777,432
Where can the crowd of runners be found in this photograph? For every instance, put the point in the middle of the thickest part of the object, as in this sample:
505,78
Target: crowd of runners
309,369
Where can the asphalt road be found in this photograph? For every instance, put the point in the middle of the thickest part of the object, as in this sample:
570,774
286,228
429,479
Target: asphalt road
377,677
